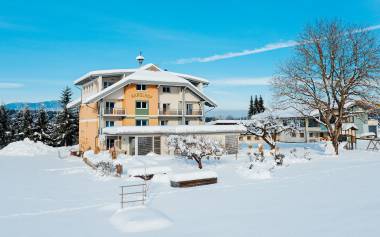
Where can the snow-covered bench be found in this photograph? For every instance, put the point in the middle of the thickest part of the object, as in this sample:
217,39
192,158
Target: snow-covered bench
192,179
147,173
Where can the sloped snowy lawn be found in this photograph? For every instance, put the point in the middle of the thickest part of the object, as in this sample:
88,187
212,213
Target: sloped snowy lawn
327,196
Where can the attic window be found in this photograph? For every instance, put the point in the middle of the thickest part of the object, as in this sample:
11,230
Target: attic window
140,87
166,89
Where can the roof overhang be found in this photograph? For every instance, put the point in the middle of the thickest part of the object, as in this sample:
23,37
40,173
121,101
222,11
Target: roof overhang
174,130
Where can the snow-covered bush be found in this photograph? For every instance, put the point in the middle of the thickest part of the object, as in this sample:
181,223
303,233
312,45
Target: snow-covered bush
105,168
268,126
195,147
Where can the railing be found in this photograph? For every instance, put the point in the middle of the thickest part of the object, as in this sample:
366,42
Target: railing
171,112
114,111
194,112
137,193
179,112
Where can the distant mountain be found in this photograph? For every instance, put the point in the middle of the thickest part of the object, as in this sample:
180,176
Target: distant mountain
227,114
52,105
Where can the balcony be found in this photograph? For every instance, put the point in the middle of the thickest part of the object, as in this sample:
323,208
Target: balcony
172,112
175,112
114,112
194,112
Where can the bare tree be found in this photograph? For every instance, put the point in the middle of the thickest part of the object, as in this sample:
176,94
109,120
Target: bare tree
333,66
195,147
268,126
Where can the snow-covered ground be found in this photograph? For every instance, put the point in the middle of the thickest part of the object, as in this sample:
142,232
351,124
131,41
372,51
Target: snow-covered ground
44,195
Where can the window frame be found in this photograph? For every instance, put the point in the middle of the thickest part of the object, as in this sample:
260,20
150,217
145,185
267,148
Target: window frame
139,122
140,87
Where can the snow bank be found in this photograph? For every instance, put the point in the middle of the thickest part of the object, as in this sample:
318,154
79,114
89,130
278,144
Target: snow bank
193,175
260,170
149,170
26,148
139,219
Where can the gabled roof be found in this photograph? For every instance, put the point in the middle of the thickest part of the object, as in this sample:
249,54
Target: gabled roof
146,75
109,72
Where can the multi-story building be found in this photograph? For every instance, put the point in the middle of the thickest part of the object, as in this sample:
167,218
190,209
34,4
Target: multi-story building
310,130
146,96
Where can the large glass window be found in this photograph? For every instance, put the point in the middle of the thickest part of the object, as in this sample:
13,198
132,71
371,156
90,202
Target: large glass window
141,122
110,123
140,87
166,89
141,105
107,84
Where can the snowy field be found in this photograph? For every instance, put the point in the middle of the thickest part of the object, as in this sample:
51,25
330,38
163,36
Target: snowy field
44,195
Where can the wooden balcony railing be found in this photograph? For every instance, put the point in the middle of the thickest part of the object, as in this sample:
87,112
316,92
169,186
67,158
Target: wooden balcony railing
115,111
194,112
179,112
170,112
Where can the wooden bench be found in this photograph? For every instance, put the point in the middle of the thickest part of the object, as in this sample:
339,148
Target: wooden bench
193,179
193,183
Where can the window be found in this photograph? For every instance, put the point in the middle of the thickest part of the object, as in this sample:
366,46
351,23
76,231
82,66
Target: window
140,87
248,138
166,89
110,124
141,122
302,134
141,105
187,122
293,134
106,84
164,122
310,134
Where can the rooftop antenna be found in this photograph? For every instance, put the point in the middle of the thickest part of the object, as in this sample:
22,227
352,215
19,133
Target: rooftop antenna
140,58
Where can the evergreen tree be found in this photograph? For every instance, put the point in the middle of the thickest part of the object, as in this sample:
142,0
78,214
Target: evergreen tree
256,106
261,105
41,127
26,124
5,130
250,109
66,130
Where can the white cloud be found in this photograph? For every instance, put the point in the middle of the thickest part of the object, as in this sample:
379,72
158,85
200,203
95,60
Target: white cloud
243,81
268,47
265,48
10,85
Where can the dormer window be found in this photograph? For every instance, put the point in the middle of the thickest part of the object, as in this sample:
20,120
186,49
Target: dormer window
166,89
140,87
107,84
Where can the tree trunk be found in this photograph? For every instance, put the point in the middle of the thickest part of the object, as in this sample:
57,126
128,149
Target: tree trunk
335,143
271,145
198,160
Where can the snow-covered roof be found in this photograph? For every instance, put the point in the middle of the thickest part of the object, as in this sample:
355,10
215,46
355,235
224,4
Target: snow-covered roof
152,77
74,103
109,72
226,122
171,130
348,126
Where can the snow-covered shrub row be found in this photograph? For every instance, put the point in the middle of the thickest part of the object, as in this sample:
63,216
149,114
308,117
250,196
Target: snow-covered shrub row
102,161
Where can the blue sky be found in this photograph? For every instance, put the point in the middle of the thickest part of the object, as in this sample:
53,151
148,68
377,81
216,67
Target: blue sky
45,45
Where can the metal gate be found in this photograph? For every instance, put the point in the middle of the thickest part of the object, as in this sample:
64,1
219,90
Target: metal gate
232,144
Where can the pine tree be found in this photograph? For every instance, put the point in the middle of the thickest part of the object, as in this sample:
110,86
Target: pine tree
41,127
5,130
26,124
66,130
256,106
250,109
261,104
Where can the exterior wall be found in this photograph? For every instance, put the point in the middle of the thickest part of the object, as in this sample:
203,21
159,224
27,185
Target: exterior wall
131,95
88,126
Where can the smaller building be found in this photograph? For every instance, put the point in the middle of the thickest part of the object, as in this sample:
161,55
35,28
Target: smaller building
137,140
